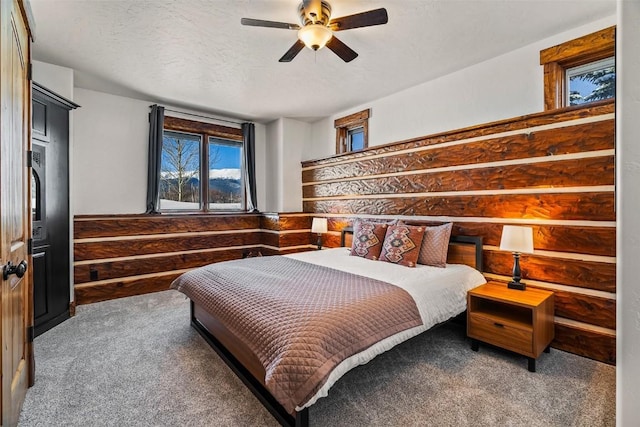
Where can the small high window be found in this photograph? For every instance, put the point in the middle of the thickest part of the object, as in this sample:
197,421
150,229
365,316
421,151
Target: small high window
352,132
355,139
580,70
591,82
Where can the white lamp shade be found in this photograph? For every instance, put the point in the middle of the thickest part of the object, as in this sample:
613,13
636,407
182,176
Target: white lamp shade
319,225
517,239
315,36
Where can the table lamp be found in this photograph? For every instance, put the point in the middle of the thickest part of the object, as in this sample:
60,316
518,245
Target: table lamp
319,226
517,240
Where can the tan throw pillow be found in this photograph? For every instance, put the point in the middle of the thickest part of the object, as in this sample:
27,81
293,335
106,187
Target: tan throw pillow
367,239
402,244
435,245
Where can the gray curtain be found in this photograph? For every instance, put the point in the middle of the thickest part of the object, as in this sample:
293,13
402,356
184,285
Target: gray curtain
156,125
249,137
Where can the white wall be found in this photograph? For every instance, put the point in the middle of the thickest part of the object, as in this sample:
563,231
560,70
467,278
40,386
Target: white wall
286,139
273,159
55,78
503,87
628,206
295,136
110,160
261,165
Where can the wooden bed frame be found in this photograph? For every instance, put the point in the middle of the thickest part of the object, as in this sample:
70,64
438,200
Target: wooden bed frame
246,365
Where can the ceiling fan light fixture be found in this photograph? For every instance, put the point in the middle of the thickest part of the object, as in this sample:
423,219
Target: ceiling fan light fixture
315,36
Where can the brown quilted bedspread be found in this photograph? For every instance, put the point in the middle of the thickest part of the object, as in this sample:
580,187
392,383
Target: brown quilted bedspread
300,319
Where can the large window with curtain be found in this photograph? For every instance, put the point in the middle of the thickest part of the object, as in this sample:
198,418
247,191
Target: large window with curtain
202,167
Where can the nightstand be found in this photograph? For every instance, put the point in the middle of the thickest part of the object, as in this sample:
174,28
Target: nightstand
520,321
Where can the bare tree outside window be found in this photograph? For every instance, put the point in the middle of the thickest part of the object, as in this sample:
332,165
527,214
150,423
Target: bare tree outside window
180,175
202,168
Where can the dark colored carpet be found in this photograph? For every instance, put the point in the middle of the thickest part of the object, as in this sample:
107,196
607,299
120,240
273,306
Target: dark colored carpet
137,362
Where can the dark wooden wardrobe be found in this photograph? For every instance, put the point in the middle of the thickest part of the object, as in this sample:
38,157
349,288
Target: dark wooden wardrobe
50,208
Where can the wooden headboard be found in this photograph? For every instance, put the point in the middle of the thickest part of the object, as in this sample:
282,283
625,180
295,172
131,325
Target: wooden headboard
462,249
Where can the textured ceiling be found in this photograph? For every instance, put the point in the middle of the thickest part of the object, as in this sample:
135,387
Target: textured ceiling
195,53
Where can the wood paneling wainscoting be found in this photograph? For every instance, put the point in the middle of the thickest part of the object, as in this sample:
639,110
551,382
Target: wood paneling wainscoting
553,171
124,255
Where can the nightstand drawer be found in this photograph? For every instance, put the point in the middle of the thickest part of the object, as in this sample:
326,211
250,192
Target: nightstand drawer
499,333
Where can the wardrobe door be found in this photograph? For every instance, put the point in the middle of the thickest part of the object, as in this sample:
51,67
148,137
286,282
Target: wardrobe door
50,210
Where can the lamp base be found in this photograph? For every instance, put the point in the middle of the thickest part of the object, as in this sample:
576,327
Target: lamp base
517,285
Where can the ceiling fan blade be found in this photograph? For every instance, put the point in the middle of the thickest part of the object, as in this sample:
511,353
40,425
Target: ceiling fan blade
364,19
270,24
292,52
342,50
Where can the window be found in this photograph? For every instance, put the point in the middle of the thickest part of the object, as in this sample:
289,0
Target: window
591,82
355,139
352,132
580,70
226,190
180,171
202,167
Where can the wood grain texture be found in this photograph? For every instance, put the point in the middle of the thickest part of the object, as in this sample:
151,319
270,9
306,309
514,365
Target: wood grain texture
580,307
515,123
161,224
591,46
587,343
570,173
296,239
573,239
270,239
90,293
554,86
586,308
572,139
184,125
294,222
352,118
597,206
142,235
349,185
123,268
585,274
559,238
281,222
330,241
283,240
142,246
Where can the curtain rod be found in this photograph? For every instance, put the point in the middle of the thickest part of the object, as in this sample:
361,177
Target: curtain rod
202,116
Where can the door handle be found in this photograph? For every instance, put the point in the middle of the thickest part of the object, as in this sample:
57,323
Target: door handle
10,269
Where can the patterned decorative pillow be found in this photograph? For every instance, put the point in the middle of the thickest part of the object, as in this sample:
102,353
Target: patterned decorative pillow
435,245
402,244
368,237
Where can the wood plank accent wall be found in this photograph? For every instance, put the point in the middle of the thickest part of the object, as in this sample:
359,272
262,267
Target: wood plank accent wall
124,255
553,171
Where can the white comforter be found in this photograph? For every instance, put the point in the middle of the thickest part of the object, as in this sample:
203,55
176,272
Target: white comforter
439,293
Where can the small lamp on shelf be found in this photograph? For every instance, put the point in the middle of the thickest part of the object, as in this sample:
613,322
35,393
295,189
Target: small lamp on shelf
319,226
517,240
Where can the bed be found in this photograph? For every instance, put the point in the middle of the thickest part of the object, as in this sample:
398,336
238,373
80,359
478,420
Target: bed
259,341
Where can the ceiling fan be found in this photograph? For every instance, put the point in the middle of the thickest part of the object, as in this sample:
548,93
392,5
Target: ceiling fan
317,28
